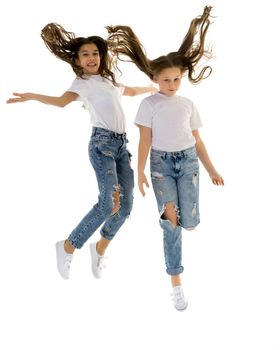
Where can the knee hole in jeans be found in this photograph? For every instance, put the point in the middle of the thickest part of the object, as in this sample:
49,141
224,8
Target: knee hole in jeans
116,199
170,212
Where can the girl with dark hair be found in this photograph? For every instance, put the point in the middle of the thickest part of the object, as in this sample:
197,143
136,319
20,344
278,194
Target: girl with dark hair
168,126
96,86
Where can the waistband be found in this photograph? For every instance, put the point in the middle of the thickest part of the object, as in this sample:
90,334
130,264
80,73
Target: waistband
184,152
102,131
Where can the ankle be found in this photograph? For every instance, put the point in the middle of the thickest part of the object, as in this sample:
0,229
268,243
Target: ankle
68,247
100,248
176,281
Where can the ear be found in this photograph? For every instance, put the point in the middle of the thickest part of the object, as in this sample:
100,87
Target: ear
77,62
155,80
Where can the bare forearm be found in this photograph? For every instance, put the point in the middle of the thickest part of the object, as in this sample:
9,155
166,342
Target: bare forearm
205,160
60,101
142,90
204,157
48,100
138,90
143,151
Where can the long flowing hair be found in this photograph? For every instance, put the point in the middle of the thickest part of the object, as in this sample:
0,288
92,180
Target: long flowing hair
122,41
65,45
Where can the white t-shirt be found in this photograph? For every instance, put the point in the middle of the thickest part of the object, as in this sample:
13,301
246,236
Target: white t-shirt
171,118
103,101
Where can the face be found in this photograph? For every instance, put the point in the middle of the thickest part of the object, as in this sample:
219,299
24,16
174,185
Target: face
89,59
169,80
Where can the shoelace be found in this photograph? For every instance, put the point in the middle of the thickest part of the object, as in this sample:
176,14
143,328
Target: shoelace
178,296
68,260
100,262
178,299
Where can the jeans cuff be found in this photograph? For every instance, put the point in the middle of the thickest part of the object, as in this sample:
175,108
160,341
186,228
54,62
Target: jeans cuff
174,272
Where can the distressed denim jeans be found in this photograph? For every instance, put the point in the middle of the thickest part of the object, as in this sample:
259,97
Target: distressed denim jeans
111,162
175,179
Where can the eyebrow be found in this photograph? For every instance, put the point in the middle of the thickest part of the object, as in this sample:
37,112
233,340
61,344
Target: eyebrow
165,77
82,51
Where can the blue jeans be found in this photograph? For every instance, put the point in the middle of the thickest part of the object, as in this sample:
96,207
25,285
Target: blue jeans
111,162
175,179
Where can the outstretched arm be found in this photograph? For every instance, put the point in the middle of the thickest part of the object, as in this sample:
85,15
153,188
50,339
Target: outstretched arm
60,101
133,91
205,160
143,151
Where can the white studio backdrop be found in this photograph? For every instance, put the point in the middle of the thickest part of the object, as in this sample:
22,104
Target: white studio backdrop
47,185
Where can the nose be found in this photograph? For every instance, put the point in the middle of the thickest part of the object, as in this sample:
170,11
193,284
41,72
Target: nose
92,57
172,85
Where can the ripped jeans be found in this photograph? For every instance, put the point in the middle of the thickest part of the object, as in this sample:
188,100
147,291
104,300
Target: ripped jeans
111,161
175,179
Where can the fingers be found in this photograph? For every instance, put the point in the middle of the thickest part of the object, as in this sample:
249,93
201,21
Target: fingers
146,183
12,100
141,189
218,181
141,186
153,89
16,99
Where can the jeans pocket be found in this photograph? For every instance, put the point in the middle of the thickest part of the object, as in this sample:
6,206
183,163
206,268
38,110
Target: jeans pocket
101,139
155,159
129,155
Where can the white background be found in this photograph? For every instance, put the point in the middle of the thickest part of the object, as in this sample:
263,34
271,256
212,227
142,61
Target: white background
47,185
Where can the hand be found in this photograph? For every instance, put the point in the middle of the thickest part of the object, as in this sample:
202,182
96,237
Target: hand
141,181
154,90
20,97
217,179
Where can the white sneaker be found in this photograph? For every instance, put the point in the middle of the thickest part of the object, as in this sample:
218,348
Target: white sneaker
63,260
97,261
179,300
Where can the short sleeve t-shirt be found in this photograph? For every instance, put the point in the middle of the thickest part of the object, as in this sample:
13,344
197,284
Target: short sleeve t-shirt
172,120
103,101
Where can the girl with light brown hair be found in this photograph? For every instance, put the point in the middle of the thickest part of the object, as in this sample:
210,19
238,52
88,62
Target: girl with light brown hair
168,126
